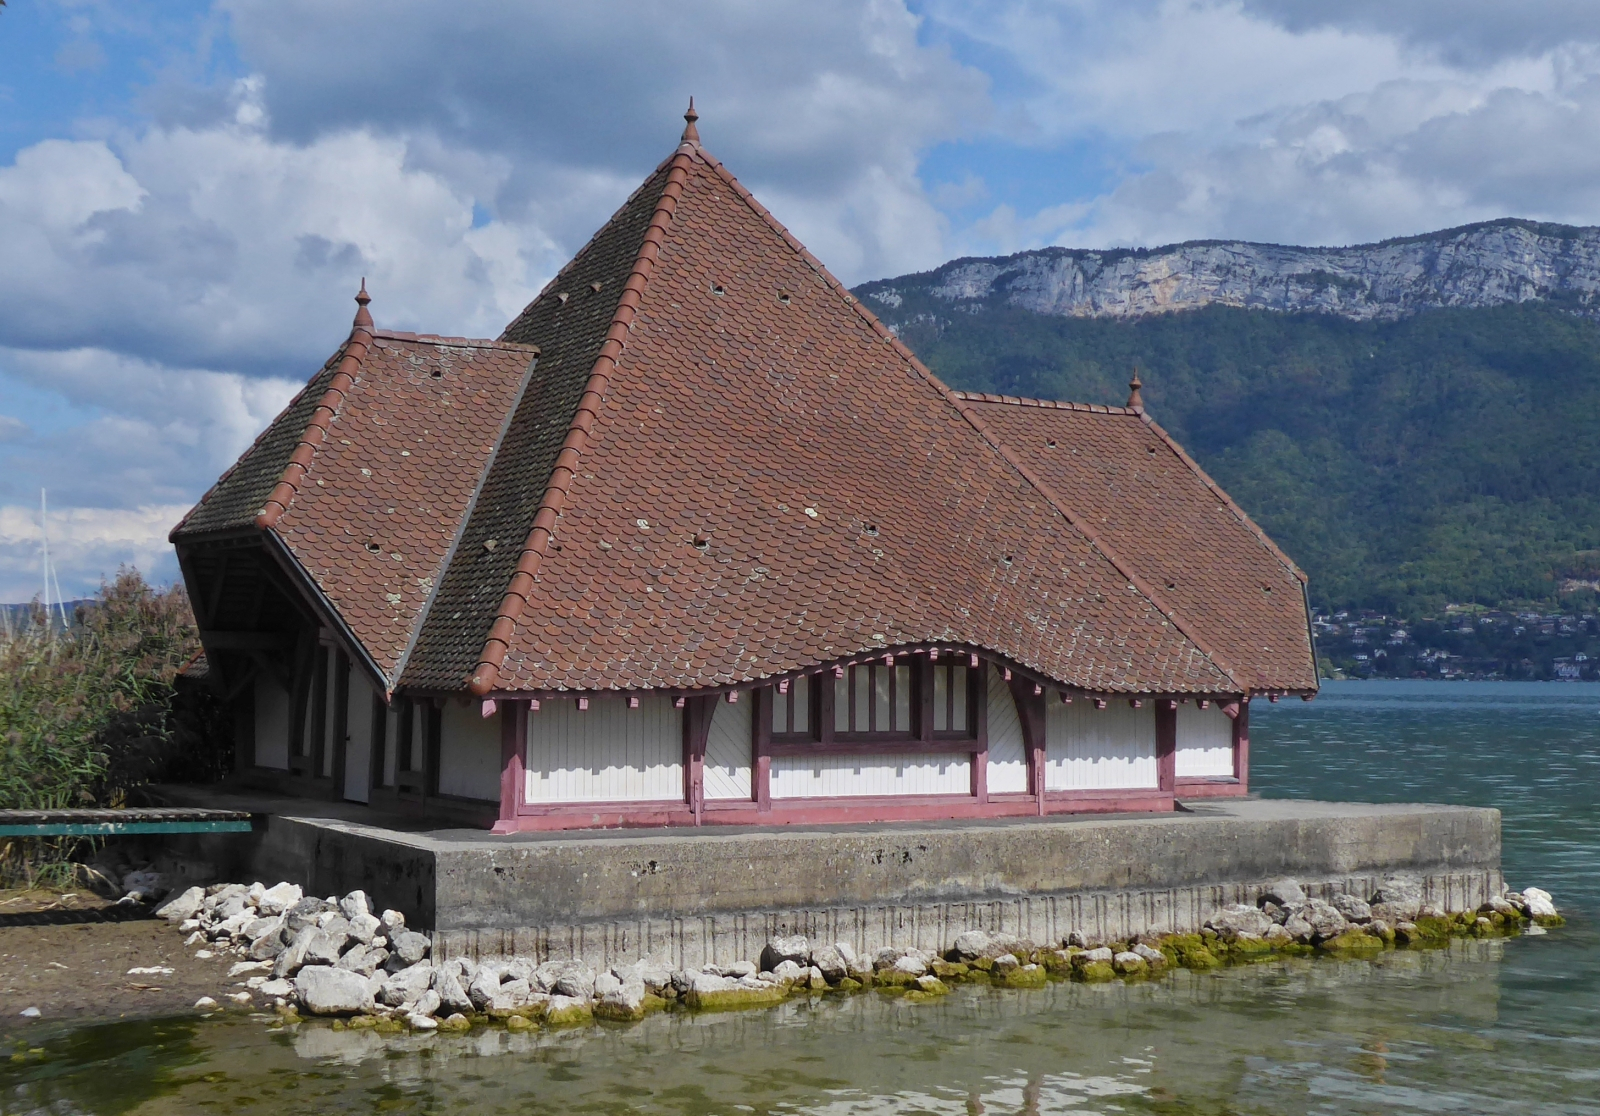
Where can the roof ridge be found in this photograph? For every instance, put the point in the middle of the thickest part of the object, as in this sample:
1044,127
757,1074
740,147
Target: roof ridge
1048,404
960,404
457,342
1217,491
497,643
344,378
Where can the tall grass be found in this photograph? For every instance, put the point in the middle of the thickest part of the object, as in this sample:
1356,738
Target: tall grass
87,716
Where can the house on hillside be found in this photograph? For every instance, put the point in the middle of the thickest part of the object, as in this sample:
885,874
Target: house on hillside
696,540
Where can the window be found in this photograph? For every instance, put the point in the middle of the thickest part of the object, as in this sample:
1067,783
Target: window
791,712
951,689
873,697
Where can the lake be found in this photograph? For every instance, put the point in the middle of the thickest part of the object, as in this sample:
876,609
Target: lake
1484,1026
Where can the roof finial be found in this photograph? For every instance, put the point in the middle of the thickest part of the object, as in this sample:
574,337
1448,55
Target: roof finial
363,319
1135,400
691,134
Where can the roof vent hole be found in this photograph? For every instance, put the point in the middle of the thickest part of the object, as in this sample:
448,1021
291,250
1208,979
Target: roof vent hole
375,548
562,298
701,542
1008,559
1051,443
595,286
438,373
718,289
784,299
872,529
1151,449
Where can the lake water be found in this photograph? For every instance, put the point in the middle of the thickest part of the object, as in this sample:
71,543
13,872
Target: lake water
1488,1027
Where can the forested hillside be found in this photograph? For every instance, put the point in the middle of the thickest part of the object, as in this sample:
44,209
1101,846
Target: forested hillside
1450,456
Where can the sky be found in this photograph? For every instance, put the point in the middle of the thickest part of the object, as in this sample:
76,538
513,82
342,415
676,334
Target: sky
191,191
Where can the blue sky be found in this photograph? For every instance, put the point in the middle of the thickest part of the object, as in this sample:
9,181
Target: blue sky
190,191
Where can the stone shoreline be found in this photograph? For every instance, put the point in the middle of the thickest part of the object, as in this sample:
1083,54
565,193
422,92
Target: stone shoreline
335,957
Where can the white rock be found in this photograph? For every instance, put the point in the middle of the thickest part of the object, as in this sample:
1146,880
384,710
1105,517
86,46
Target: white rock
738,970
34,1013
427,1004
364,928
422,1023
831,962
203,955
256,982
784,971
1239,919
1540,904
407,985
254,893
795,947
1285,892
153,970
409,947
392,921
1353,907
182,907
205,1003
195,939
452,996
240,997
324,990
355,904
1154,956
606,982
1103,953
911,963
279,898
240,968
570,978
280,989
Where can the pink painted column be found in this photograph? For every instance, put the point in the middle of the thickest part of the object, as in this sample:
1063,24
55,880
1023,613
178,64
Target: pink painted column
513,782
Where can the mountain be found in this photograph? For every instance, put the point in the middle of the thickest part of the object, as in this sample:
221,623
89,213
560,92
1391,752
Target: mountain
1433,438
1487,264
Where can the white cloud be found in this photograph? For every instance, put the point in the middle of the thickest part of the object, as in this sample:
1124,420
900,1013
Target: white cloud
85,544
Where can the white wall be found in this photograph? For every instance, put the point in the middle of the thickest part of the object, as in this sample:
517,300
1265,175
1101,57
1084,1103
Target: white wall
1008,758
272,723
358,756
729,746
469,752
852,776
1205,743
1099,749
609,753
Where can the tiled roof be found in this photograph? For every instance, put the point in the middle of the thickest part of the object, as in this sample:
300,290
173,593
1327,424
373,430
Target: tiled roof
721,468
1197,552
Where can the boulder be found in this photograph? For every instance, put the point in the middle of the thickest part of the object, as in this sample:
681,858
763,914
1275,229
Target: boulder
785,970
656,976
625,1002
145,885
324,990
1325,919
484,989
407,986
1401,894
269,945
1154,957
511,995
606,982
709,992
739,969
1354,908
452,997
230,905
1238,919
1129,963
1297,929
1091,956
910,963
261,928
1077,939
567,1011
1277,914
303,913
1279,936
974,944
931,985
354,905
427,1004
363,959
1285,892
831,962
364,928
278,899
1539,903
324,948
183,906
794,948
393,921
289,961
575,980
408,946
277,989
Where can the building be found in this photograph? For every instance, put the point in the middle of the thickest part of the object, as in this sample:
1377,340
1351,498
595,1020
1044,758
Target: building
698,541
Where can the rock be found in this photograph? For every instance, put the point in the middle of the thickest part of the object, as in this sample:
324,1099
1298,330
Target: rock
1077,939
1152,956
182,907
302,914
145,885
452,996
1354,908
910,963
623,1003
709,992
261,927
277,989
1285,892
606,982
1129,963
1380,929
520,1023
815,979
1006,963
785,970
794,948
484,989
422,1022
513,993
278,899
831,963
1539,903
203,955
362,959
575,980
407,985
567,1011
393,922
323,948
657,977
1401,894
1351,941
324,990
1090,956
1297,928
354,905
1325,919
289,961
408,946
365,929
245,968
932,985
1239,919
848,952
204,1003
455,1022
975,944
240,997
1279,936
1533,928
268,946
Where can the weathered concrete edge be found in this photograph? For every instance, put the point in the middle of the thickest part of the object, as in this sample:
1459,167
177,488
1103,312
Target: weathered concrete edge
1101,915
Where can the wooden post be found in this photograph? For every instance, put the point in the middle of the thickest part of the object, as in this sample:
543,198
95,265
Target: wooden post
380,740
761,751
513,780
1241,745
697,714
1167,744
434,744
341,721
1031,713
978,719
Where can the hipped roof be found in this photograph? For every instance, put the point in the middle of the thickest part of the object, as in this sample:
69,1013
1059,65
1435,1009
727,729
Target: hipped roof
722,468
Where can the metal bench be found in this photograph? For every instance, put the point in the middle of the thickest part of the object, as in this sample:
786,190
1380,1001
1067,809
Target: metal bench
117,823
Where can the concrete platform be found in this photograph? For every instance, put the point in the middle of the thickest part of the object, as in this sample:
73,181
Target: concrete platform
696,896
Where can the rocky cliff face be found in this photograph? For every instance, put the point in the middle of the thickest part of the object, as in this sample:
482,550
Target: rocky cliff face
1476,265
